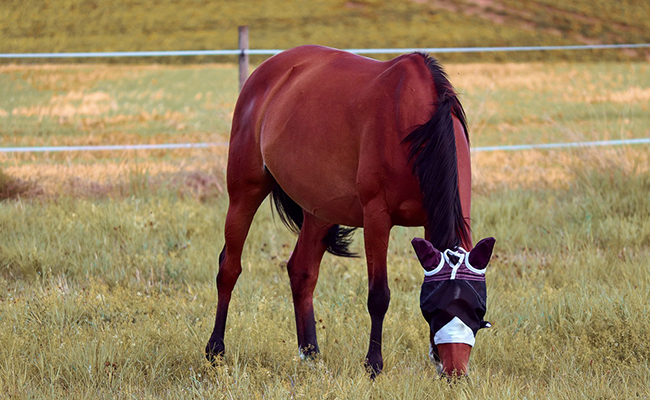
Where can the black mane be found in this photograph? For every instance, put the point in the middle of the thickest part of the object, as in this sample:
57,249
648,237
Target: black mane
433,153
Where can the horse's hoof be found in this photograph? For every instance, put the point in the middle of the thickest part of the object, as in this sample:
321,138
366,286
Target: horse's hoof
214,352
309,353
374,368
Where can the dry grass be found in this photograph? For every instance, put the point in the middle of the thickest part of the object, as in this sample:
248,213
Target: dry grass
199,177
535,169
502,170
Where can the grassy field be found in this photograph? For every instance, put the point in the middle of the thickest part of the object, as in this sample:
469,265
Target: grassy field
108,259
132,25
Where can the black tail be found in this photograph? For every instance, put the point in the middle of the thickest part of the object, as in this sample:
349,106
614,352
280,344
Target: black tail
337,239
289,211
433,152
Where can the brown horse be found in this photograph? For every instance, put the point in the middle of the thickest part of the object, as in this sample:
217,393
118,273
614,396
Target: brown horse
340,139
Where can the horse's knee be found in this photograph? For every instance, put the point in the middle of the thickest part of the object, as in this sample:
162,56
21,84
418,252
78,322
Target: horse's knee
378,300
302,280
227,275
222,255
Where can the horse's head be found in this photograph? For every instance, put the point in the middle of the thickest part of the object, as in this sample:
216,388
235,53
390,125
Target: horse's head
453,301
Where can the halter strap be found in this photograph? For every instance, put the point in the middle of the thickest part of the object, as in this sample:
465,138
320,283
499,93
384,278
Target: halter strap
461,254
449,270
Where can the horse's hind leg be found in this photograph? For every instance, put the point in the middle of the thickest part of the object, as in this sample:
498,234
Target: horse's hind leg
303,270
245,198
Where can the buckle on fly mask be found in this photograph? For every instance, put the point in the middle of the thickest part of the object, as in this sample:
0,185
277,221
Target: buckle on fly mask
453,299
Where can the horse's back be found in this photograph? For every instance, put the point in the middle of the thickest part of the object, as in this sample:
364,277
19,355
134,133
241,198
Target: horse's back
329,125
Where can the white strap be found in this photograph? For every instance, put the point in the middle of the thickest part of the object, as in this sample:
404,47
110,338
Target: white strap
460,254
463,257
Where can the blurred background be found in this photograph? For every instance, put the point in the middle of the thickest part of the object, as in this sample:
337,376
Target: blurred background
137,25
548,96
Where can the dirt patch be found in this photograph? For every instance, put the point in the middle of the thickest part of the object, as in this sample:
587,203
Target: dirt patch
12,188
202,178
200,185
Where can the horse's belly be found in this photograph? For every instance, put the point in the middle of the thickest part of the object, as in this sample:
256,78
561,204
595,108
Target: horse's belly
314,157
343,211
333,193
327,177
328,193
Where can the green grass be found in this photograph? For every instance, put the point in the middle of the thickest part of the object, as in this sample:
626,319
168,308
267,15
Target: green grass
108,260
599,17
116,299
89,25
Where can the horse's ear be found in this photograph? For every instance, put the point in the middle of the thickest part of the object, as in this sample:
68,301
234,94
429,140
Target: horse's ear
481,253
428,255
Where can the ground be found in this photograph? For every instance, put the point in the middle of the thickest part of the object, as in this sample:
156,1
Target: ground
108,259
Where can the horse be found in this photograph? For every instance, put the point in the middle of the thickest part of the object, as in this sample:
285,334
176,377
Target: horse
340,142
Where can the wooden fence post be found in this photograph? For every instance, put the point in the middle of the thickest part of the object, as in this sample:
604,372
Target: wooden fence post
243,55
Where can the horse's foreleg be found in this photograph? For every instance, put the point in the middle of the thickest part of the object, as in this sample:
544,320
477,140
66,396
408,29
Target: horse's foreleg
377,226
303,270
241,211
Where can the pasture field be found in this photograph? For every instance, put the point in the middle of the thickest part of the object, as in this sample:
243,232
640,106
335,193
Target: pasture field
136,25
108,259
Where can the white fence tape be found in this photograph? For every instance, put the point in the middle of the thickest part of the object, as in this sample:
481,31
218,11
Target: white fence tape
497,49
356,51
223,144
562,145
125,54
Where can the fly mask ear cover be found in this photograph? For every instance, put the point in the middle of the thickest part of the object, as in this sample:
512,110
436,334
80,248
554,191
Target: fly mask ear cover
453,297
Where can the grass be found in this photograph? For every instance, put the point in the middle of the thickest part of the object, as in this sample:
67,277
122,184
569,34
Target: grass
116,299
90,25
92,104
107,263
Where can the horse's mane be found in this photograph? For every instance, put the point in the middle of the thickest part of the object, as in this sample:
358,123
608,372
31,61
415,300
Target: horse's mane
433,153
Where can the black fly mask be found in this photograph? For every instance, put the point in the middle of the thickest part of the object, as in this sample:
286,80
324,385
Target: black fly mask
453,298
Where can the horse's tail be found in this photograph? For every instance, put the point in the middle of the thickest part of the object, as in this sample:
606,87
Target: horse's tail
433,152
337,239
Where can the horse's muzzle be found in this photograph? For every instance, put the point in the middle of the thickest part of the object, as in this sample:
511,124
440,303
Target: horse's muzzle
454,358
